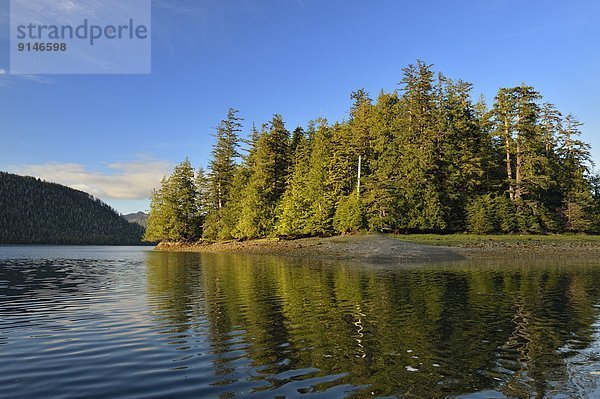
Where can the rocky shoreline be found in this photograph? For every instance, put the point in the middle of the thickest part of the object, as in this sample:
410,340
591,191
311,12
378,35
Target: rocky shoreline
371,248
384,249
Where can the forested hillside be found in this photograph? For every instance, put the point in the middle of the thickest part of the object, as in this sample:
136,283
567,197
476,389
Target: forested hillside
138,217
36,212
423,158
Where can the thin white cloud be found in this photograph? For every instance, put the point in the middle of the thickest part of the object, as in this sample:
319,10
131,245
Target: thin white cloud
7,80
543,28
123,180
184,23
71,12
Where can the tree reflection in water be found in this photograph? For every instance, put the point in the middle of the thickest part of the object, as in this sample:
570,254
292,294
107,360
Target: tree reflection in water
279,325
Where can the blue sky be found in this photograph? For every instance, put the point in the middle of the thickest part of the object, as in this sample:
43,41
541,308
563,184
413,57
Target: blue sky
115,135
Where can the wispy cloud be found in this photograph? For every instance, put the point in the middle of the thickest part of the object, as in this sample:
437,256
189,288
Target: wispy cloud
544,28
8,80
106,56
121,180
179,24
4,22
69,11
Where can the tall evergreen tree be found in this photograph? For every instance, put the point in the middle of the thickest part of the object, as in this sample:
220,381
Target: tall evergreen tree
203,189
174,214
295,204
224,155
529,173
421,153
268,164
160,216
575,157
383,198
184,196
308,204
223,225
463,150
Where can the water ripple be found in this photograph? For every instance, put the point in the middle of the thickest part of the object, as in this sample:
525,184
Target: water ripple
122,323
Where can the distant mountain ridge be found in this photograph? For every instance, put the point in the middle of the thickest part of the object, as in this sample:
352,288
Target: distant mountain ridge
140,218
33,211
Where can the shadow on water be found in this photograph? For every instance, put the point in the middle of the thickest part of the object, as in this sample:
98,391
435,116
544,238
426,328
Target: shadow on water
276,327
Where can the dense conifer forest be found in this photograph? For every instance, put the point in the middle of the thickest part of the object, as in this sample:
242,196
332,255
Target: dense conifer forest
36,212
423,158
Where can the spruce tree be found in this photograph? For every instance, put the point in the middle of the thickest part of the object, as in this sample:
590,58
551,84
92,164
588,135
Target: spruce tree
160,216
463,150
174,214
224,155
422,174
308,204
203,199
578,204
183,194
383,197
530,176
318,193
504,114
203,190
295,205
230,215
269,162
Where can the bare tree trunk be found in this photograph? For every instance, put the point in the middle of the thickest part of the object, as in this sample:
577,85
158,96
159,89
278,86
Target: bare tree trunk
220,204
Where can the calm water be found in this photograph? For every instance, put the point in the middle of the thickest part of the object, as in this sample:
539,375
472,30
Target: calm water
99,322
